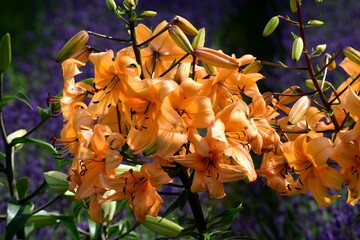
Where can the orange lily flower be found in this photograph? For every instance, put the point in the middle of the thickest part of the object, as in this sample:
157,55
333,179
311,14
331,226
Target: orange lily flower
111,79
213,165
73,92
161,52
307,155
139,188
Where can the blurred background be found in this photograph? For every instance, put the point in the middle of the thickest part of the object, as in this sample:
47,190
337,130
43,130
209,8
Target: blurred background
39,28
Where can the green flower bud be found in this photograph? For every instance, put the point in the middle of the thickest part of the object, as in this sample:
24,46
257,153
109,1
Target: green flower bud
320,48
73,45
5,52
299,109
297,48
315,23
180,38
57,181
253,67
352,54
130,4
111,5
271,26
17,134
185,25
199,39
310,84
162,226
149,13
293,6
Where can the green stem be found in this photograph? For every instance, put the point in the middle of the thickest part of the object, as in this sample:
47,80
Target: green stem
9,159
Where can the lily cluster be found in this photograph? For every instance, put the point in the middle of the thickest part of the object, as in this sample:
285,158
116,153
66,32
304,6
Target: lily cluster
164,103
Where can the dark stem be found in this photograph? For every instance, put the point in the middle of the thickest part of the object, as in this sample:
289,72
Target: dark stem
109,37
311,69
134,42
193,201
39,190
51,201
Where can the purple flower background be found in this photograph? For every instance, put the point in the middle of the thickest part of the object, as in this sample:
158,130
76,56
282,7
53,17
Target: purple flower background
235,27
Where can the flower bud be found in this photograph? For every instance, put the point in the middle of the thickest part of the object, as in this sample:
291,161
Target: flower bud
5,52
162,226
215,58
268,97
180,38
148,13
253,67
57,181
299,109
16,134
352,54
199,39
83,54
320,48
287,98
271,26
310,84
297,49
185,25
315,23
328,59
111,5
129,4
73,45
293,6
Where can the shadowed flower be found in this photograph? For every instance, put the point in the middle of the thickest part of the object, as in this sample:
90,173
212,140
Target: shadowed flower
139,188
307,156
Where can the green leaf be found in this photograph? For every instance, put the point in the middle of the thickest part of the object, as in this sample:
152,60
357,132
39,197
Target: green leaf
38,142
177,203
223,220
44,218
2,156
16,217
44,112
22,185
94,230
18,96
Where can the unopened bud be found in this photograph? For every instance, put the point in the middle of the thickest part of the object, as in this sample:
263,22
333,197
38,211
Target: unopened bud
352,54
199,39
268,97
297,49
286,98
180,38
215,58
271,26
325,85
149,13
185,25
182,72
17,134
111,5
57,181
299,109
315,23
129,4
162,226
83,54
253,67
320,48
330,61
5,52
293,6
73,45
